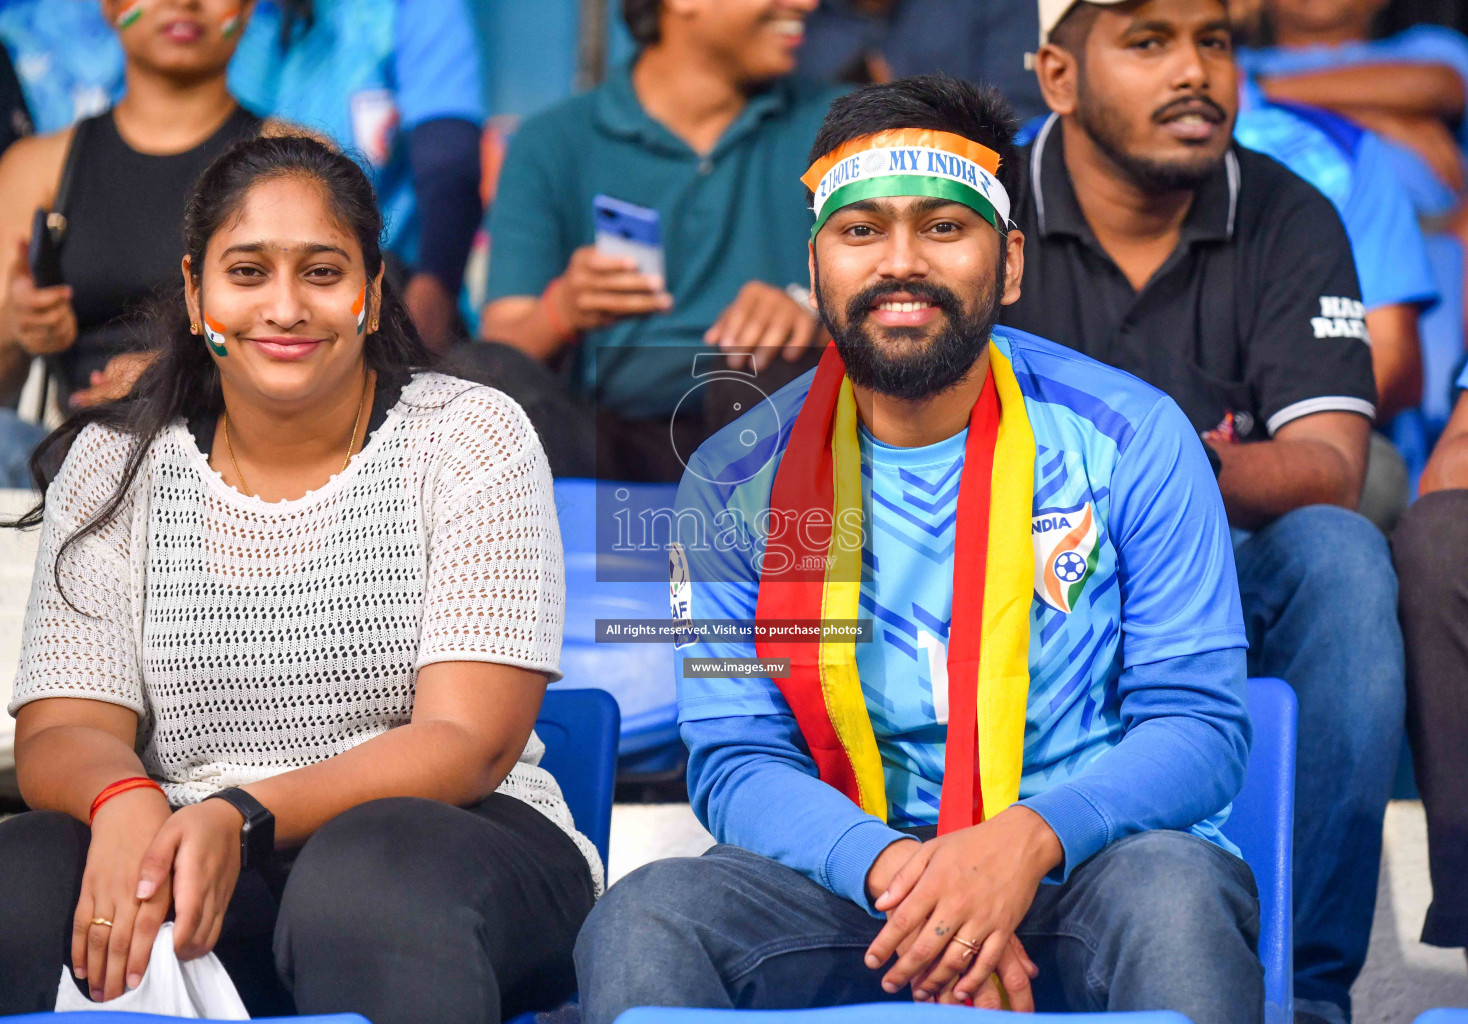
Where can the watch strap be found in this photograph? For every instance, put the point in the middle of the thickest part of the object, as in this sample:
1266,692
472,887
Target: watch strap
257,834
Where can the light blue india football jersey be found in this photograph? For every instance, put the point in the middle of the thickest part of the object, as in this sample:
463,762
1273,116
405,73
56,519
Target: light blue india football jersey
1117,470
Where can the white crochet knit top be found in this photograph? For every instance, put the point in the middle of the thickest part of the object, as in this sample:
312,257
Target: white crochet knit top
253,638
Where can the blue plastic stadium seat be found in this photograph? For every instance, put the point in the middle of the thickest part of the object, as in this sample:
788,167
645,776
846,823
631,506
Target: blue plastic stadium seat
1443,1017
886,1013
579,730
611,582
1262,826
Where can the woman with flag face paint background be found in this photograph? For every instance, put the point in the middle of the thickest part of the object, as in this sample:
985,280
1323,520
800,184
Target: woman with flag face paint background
131,169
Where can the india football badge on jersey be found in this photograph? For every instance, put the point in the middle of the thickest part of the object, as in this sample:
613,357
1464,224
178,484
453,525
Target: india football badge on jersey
1065,554
680,595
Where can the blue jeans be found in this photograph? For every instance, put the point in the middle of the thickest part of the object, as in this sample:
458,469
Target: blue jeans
17,440
1320,606
1159,920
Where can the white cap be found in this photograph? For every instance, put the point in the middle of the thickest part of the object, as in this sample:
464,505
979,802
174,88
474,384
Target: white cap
1052,11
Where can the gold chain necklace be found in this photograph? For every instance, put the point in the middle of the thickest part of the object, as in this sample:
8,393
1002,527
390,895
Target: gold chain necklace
351,441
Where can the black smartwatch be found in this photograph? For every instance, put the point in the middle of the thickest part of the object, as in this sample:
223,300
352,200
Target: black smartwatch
257,834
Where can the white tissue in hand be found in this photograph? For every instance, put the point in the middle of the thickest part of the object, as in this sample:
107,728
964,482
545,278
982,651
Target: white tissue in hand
198,989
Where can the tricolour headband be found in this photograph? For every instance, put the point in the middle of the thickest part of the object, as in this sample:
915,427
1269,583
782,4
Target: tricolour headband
908,162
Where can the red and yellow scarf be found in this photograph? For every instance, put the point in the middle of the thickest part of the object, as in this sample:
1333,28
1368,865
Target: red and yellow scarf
812,571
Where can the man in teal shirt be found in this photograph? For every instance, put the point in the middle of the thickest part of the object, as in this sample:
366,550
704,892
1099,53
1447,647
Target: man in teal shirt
707,128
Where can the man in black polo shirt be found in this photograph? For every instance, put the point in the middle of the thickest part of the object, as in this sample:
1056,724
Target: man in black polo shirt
1212,272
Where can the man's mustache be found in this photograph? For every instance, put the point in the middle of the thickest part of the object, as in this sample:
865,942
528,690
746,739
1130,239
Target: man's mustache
1204,106
860,307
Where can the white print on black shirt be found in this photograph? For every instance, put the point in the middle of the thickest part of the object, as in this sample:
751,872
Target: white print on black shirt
1340,318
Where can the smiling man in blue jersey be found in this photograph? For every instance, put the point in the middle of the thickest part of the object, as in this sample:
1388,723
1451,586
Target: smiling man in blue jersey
1043,731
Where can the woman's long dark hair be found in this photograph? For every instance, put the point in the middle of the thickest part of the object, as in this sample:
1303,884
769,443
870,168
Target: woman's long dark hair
182,381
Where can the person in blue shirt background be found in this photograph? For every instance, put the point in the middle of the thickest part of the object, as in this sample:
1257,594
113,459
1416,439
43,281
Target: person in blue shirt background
1409,88
66,56
1352,167
397,82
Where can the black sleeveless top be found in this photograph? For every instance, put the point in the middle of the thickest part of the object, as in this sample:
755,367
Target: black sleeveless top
123,234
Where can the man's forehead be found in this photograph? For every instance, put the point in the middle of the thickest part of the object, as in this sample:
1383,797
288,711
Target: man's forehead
899,207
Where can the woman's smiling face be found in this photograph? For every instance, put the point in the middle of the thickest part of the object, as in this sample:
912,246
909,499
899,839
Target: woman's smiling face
283,299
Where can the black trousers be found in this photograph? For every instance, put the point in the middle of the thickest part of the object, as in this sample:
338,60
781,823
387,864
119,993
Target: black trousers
400,910
582,439
1430,548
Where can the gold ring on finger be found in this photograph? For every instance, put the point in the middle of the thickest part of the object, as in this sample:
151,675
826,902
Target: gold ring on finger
969,948
102,921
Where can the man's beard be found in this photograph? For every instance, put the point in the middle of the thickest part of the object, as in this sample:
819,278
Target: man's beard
920,370
1107,128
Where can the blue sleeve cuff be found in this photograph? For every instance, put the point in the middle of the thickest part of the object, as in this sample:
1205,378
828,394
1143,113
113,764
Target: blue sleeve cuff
1081,827
851,857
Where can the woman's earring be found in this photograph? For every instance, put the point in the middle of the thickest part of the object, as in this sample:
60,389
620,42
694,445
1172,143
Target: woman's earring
374,325
193,327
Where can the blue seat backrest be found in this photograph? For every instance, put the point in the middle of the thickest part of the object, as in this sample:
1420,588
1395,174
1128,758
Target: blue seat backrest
579,730
886,1013
615,531
1262,826
608,581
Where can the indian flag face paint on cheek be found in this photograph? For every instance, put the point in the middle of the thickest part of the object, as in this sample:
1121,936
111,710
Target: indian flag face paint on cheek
129,15
214,336
359,309
231,23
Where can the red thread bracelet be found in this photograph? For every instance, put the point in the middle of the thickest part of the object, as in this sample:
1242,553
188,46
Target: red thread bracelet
563,331
119,787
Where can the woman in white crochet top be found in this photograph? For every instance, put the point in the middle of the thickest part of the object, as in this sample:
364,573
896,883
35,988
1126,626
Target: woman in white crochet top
294,612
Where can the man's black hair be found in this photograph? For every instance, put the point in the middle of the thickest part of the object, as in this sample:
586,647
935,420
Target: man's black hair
642,20
935,102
